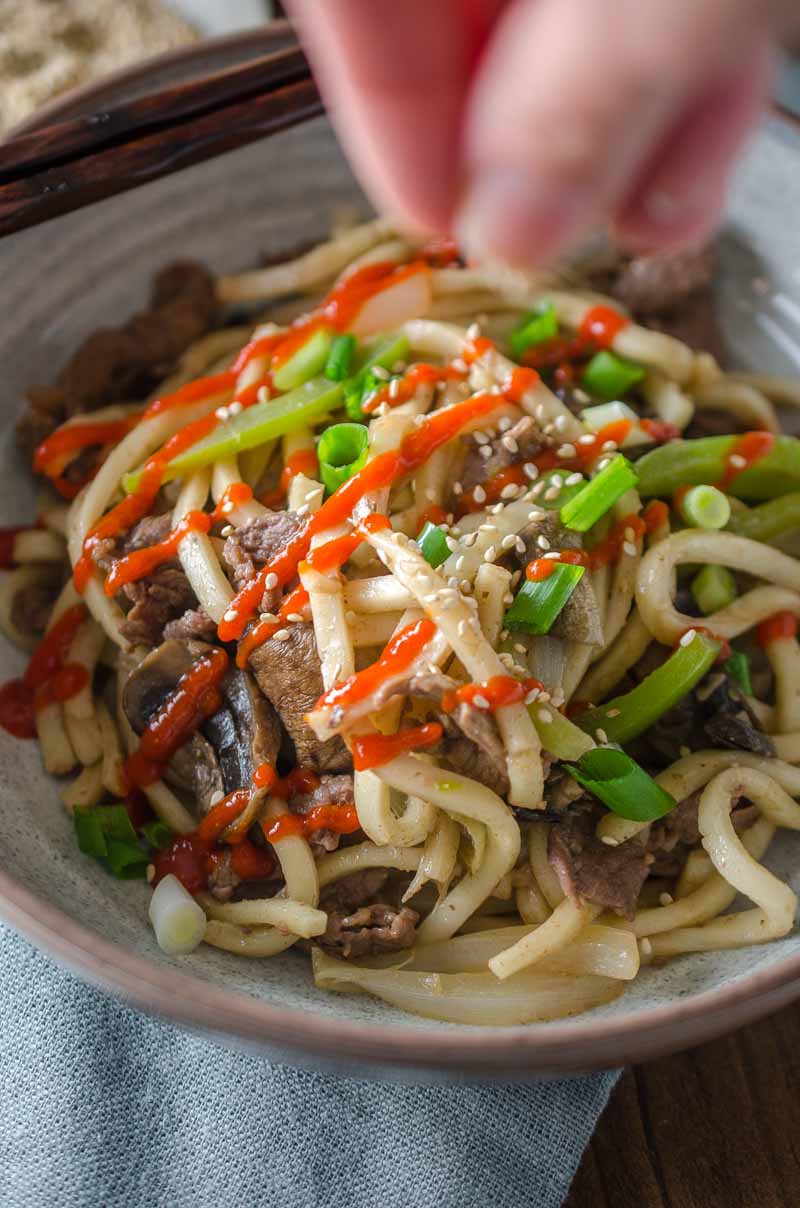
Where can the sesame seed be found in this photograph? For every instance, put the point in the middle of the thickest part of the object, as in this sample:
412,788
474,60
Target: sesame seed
572,480
646,947
230,615
533,694
227,508
517,575
509,541
462,628
228,529
612,712
510,491
630,549
519,545
264,394
609,841
604,461
269,617
394,387
235,407
451,544
601,735
295,618
465,586
542,542
544,715
271,581
452,583
561,422
609,446
541,412
221,413
553,555
479,495
460,365
380,373
504,423
581,396
588,439
150,873
469,540
485,451
496,509
566,450
509,442
688,637
399,367
490,554
459,562
473,331
530,471
552,492
520,648
538,488
282,635
666,899
737,461
480,701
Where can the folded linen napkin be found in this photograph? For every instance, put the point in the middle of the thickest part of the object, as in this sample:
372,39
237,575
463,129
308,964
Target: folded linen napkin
100,1105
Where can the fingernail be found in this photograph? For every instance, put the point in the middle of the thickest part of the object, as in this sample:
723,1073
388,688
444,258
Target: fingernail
505,213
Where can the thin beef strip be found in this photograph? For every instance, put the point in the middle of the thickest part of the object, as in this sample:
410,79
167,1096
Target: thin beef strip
115,364
256,543
358,923
589,870
331,790
289,674
518,443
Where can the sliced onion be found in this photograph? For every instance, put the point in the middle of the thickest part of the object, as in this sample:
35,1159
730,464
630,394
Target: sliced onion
178,921
475,998
603,951
409,299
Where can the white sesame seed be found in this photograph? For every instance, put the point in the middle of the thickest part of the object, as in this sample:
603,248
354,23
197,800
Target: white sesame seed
581,396
221,413
544,715
227,508
645,945
517,575
469,540
561,422
538,488
459,562
604,461
382,409
485,451
520,648
530,471
665,899
496,509
430,598
465,586
264,394
230,615
394,387
510,491
452,582
630,549
588,439
268,617
510,443
552,492
566,450
227,530
519,545
609,446
553,555
688,637
295,618
480,701
572,480
451,544
399,367
612,712
380,373
737,461
217,795
235,407
490,554
504,423
479,495
503,634
532,695
541,412
473,331
282,635
460,365
601,735
542,541
509,541
271,581
609,841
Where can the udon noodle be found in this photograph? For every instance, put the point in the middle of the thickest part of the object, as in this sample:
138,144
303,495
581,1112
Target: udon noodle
414,620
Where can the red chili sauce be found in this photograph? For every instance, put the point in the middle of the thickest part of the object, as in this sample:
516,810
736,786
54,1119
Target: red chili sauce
47,677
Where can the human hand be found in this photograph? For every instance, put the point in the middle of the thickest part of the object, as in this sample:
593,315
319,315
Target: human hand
522,125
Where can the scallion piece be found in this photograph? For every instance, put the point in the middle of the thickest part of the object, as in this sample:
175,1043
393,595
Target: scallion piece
559,736
340,358
538,603
610,376
537,326
599,495
622,718
433,544
157,834
705,507
125,860
714,587
385,353
116,823
342,452
738,668
89,832
621,784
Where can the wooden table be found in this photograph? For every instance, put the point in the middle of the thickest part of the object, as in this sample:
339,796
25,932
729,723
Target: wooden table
717,1127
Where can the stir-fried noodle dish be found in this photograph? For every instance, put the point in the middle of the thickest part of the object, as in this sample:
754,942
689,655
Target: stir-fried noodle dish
438,622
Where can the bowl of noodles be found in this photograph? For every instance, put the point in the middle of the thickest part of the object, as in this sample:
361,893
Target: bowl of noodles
400,656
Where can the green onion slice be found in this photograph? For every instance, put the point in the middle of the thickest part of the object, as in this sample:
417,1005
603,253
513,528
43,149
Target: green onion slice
305,363
126,860
558,735
89,832
738,668
622,718
621,784
610,376
705,507
538,326
432,544
157,834
342,452
340,358
599,495
537,604
714,587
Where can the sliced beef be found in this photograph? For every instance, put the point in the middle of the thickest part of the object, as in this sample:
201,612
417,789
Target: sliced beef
331,790
589,870
289,674
519,443
115,364
150,530
32,605
256,543
222,757
369,931
579,620
157,599
359,923
660,283
193,624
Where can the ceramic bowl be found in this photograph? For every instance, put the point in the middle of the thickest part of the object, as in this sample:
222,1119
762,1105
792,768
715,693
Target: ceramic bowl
62,280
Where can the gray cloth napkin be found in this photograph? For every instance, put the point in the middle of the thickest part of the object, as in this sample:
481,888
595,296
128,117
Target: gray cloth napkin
102,1106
